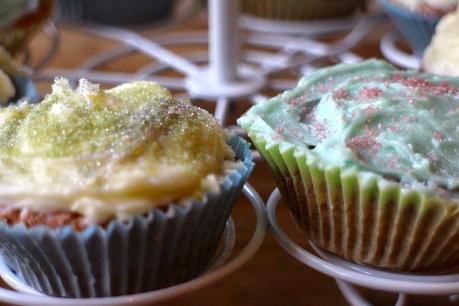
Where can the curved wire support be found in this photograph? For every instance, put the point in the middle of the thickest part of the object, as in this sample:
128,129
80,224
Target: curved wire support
319,51
390,50
52,33
353,296
146,46
445,283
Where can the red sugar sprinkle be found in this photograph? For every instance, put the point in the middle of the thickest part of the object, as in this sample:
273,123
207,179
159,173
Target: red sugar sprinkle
370,93
341,94
392,164
438,136
310,117
322,88
365,142
370,110
433,157
408,118
321,129
297,100
279,133
426,88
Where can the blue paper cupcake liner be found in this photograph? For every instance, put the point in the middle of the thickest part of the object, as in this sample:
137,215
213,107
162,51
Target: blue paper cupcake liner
25,89
115,12
152,251
416,28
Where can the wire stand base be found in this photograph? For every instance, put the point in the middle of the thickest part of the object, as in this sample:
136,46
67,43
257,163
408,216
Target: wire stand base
348,273
394,54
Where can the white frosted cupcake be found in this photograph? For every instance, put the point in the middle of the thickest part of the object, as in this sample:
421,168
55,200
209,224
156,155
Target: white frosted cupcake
442,55
416,19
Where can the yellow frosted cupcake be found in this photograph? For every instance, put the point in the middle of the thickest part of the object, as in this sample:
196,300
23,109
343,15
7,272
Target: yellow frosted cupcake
111,192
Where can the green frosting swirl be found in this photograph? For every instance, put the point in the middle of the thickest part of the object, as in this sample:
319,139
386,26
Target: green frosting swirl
369,117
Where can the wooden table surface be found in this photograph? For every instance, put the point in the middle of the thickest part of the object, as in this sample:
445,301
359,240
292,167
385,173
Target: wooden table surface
272,277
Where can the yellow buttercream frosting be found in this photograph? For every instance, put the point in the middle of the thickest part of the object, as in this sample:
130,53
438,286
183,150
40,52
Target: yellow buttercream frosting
108,153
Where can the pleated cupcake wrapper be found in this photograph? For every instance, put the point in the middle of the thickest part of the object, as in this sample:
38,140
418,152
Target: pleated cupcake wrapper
416,28
149,252
115,11
300,9
364,219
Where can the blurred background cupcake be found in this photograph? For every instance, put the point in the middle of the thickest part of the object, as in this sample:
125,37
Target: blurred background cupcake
15,84
301,9
442,55
116,12
20,20
416,19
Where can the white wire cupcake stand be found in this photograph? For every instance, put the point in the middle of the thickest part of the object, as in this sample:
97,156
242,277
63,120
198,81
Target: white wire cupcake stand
225,74
391,50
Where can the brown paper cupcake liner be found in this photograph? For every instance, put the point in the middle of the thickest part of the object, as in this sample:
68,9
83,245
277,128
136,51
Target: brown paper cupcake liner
300,9
365,219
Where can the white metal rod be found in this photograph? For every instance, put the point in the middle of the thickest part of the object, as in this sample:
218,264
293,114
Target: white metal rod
223,40
147,47
402,300
221,110
351,294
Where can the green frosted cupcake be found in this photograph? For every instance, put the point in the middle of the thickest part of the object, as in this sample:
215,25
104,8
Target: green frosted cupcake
301,9
366,158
